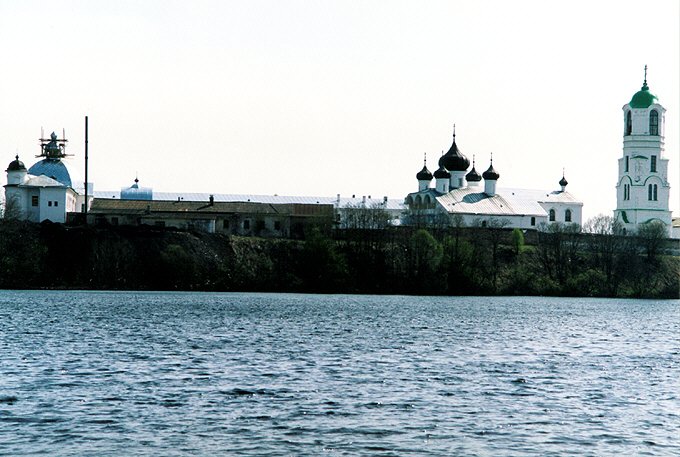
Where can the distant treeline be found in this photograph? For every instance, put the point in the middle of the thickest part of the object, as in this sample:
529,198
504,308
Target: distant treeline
556,260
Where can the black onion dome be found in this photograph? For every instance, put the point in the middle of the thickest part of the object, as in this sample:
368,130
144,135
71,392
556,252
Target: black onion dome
16,165
424,174
491,174
563,182
473,176
454,160
442,173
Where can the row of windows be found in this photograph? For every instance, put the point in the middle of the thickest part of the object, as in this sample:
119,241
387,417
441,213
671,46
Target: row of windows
551,216
652,192
259,225
246,224
652,164
35,201
653,123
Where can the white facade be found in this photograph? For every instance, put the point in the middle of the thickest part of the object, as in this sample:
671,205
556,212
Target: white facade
472,203
642,189
40,198
513,208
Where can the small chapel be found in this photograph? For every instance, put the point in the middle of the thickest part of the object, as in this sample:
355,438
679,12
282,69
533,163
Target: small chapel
49,190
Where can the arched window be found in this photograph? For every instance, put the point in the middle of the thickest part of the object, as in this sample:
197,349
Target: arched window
533,220
654,122
653,192
419,202
567,215
629,123
551,216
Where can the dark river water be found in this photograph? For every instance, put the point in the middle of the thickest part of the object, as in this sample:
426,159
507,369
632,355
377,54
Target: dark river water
169,374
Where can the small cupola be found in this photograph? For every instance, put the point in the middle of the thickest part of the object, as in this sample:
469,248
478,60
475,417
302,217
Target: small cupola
490,177
424,176
563,182
643,98
16,165
442,176
135,192
473,177
16,172
442,173
491,173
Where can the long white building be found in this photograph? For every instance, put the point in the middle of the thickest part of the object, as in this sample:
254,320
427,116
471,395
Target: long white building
459,196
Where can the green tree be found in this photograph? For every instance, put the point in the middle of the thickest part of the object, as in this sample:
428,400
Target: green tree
426,258
517,240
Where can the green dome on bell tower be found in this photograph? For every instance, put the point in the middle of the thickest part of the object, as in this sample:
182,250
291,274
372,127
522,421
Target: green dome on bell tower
643,98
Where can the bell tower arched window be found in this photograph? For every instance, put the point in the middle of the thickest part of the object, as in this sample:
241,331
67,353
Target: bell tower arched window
629,124
653,122
652,192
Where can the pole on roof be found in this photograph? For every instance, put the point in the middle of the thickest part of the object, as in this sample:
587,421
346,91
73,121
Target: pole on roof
86,141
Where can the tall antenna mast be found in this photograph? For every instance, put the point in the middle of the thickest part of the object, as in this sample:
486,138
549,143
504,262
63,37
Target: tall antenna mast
86,158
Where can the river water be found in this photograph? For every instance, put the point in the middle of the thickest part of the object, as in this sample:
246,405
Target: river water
148,374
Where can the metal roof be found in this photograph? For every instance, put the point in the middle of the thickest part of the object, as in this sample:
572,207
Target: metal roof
59,170
506,202
108,205
391,204
42,181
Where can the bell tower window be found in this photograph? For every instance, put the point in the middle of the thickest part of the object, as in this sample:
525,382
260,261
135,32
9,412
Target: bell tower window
653,122
652,192
629,124
627,164
652,165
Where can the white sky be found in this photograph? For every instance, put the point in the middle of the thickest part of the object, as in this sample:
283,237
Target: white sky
327,97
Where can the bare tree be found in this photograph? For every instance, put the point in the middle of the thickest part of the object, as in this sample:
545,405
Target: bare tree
606,243
12,210
360,216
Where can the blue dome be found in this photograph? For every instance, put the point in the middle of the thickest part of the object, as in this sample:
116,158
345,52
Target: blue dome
55,169
134,192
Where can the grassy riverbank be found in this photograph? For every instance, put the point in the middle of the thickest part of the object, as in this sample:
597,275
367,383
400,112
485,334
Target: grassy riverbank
467,261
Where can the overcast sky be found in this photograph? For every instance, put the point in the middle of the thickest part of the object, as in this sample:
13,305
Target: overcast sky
327,97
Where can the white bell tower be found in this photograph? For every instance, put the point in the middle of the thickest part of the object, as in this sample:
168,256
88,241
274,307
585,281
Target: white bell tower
642,189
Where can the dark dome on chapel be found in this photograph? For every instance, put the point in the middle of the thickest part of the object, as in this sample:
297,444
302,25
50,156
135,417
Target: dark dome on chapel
454,160
16,165
473,176
424,174
442,173
490,173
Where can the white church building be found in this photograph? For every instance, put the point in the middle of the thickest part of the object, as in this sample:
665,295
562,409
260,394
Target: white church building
460,194
49,190
643,190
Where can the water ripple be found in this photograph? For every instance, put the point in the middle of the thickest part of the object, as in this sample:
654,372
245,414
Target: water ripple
175,374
